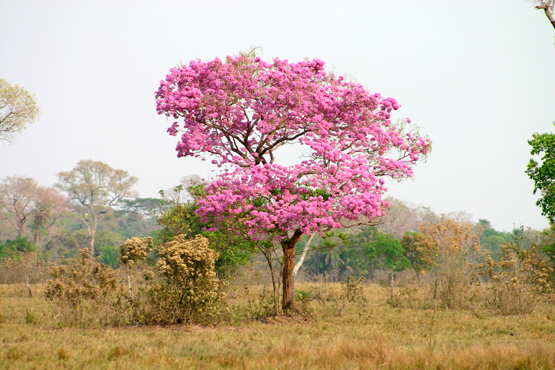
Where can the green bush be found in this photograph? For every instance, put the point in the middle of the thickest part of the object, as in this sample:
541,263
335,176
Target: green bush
16,248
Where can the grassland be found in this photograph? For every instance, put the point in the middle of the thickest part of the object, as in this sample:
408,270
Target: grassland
368,334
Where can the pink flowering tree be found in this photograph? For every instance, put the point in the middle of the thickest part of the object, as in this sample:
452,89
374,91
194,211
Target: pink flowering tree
241,112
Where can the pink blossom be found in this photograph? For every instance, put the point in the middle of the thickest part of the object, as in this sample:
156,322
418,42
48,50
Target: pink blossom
241,110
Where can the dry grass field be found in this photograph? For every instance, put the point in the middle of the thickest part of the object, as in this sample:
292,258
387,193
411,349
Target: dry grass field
335,334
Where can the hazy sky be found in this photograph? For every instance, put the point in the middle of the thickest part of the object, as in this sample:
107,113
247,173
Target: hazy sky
477,76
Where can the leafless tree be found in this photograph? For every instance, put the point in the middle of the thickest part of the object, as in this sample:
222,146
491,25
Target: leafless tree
17,200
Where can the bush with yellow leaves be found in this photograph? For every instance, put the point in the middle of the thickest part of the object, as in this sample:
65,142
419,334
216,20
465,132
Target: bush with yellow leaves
450,246
516,282
181,288
187,288
134,250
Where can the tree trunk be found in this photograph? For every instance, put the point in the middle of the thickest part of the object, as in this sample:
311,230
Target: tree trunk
92,233
267,255
371,273
20,226
288,265
392,277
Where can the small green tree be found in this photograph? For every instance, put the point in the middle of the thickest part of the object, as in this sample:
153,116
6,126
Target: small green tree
388,253
181,219
543,173
420,251
382,251
547,242
359,242
107,243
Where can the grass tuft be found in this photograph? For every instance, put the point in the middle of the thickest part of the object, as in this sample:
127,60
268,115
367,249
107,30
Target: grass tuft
63,353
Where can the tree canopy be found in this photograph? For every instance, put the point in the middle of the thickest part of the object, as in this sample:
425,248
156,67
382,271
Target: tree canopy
96,187
543,173
17,109
17,199
25,202
241,111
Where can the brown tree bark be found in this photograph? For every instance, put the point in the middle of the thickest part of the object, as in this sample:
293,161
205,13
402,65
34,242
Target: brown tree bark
288,265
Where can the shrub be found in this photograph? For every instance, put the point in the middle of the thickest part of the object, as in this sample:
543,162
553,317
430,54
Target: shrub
83,291
187,288
134,250
233,251
182,287
23,269
455,245
15,248
516,282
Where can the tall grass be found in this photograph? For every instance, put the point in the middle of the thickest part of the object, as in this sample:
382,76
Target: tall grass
367,333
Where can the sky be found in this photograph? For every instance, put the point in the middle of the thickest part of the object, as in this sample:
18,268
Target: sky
477,77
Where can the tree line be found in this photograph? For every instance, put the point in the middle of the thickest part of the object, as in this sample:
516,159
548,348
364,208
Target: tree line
95,206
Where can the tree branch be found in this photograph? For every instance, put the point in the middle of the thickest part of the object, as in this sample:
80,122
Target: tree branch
548,10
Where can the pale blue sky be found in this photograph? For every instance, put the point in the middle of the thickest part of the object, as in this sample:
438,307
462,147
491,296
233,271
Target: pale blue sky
478,76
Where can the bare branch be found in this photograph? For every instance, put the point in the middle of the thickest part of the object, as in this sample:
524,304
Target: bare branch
548,6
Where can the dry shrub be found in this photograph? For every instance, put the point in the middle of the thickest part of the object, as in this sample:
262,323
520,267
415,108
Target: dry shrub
185,288
452,246
457,243
181,288
83,291
466,277
517,281
407,295
354,290
137,276
448,249
135,250
23,269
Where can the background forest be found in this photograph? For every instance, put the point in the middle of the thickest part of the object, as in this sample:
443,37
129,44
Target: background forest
52,225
